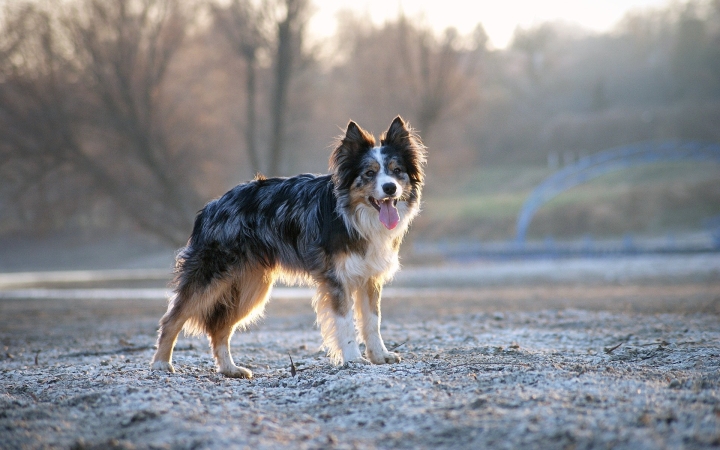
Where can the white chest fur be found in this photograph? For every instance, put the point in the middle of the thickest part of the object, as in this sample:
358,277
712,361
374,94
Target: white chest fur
379,261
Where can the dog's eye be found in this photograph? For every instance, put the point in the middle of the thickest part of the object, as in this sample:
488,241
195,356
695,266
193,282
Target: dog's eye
397,171
370,173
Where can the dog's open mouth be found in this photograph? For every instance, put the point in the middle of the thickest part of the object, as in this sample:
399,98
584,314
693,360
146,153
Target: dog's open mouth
388,212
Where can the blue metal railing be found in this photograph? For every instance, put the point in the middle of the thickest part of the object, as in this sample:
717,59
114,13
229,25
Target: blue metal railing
607,161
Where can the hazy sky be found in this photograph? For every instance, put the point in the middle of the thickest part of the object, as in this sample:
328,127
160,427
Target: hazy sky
499,17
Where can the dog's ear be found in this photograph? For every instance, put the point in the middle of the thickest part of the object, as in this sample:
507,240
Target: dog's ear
354,142
344,159
353,132
357,138
404,139
398,135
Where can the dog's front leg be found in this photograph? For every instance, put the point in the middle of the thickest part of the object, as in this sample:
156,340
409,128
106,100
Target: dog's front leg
368,310
333,306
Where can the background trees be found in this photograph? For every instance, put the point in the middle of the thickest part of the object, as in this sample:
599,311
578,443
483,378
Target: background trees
133,113
274,29
83,104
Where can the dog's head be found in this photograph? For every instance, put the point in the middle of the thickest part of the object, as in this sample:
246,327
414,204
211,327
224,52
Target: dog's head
382,181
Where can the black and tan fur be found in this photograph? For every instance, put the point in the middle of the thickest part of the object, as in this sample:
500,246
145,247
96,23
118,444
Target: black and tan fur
340,232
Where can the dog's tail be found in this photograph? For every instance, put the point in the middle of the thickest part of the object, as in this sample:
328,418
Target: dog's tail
185,255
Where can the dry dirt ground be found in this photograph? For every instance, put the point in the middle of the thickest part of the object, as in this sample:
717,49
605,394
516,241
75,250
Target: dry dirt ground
539,365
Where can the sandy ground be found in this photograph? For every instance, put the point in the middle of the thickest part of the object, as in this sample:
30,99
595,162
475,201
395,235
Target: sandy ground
534,365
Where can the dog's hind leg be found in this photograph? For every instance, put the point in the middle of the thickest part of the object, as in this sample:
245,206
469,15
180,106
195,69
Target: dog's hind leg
367,307
188,308
334,307
243,302
170,326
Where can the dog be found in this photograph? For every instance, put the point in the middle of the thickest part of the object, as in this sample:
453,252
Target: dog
340,232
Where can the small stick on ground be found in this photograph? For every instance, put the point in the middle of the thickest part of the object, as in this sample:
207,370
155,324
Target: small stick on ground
293,369
612,349
399,345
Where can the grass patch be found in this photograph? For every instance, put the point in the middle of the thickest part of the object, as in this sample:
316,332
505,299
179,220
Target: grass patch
656,198
488,206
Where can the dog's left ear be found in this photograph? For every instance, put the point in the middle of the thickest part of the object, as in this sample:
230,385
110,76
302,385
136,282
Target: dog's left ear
397,135
404,139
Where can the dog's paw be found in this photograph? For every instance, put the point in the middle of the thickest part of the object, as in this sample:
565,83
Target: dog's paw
384,358
236,372
164,366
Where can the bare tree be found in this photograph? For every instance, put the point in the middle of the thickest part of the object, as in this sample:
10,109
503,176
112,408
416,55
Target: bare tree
278,28
125,47
82,93
439,80
290,32
534,43
407,69
36,102
244,26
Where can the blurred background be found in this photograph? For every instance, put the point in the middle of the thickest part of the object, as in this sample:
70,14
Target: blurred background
120,119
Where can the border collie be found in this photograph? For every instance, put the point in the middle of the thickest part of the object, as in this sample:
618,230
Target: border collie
340,232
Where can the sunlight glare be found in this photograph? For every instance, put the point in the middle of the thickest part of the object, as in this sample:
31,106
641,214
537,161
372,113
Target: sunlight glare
499,19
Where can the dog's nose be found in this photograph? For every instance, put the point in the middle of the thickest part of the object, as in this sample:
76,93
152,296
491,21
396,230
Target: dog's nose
389,188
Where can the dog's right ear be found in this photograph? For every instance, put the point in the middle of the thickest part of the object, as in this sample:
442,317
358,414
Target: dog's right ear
344,159
353,131
355,141
356,138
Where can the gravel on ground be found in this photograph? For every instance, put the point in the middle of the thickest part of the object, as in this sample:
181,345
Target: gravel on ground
538,365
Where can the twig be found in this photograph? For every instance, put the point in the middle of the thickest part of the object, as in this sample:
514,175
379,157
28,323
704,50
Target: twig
612,349
399,345
293,369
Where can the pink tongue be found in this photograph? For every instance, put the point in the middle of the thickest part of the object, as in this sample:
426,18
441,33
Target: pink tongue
388,214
